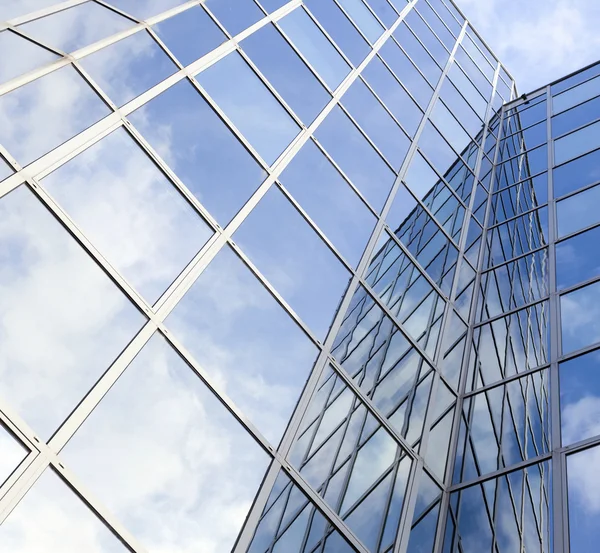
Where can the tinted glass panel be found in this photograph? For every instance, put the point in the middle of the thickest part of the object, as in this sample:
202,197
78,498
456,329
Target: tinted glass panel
577,173
363,18
577,258
579,211
577,143
580,318
576,95
576,117
145,9
235,15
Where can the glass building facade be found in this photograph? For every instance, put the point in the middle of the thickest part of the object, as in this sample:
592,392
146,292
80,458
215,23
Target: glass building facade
292,276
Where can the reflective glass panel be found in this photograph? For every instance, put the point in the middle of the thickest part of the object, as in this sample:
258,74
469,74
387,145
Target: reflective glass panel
12,454
315,47
329,201
577,143
576,95
418,54
356,157
51,517
339,28
250,105
582,481
294,259
235,15
577,174
46,112
576,117
579,211
245,341
167,458
384,11
580,398
129,67
24,56
277,61
190,34
220,172
79,26
146,8
130,211
577,258
580,318
363,18
10,9
436,149
63,320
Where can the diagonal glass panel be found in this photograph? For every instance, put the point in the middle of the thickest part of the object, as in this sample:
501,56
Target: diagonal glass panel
250,105
51,517
44,113
130,211
363,18
190,34
63,321
220,172
294,259
13,452
245,341
329,201
26,56
76,27
235,15
167,458
129,67
146,8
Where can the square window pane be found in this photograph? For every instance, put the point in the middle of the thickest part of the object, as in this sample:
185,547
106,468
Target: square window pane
47,112
580,398
289,75
577,143
129,67
130,211
580,318
190,34
294,259
166,457
356,157
315,47
79,26
51,517
245,341
579,211
340,29
24,56
235,15
220,172
250,105
577,258
329,201
63,320
363,18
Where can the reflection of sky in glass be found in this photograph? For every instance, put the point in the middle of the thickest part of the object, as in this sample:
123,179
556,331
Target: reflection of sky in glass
62,321
144,8
580,318
12,454
52,518
130,211
167,458
25,56
235,15
242,337
578,259
579,211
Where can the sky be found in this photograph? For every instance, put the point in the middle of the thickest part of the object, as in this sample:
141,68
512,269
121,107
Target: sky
538,40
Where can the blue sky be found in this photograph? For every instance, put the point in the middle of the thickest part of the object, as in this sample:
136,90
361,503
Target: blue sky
538,40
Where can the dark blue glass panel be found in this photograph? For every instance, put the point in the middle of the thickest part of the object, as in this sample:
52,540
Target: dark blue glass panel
190,34
235,15
290,76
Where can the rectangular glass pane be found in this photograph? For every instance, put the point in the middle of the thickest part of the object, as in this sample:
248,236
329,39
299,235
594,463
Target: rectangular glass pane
576,95
578,211
577,258
25,56
580,318
577,143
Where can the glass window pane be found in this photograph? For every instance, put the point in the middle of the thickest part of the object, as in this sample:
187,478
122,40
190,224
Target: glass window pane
377,123
329,201
580,398
294,259
582,481
186,471
356,157
363,18
576,95
10,9
468,90
418,54
580,316
577,174
235,15
315,47
339,28
130,211
24,56
277,61
576,117
436,149
393,95
145,9
63,320
190,34
52,518
220,172
418,26
47,112
129,67
13,453
245,341
76,27
579,211
577,143
577,258
450,128
250,105
384,11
